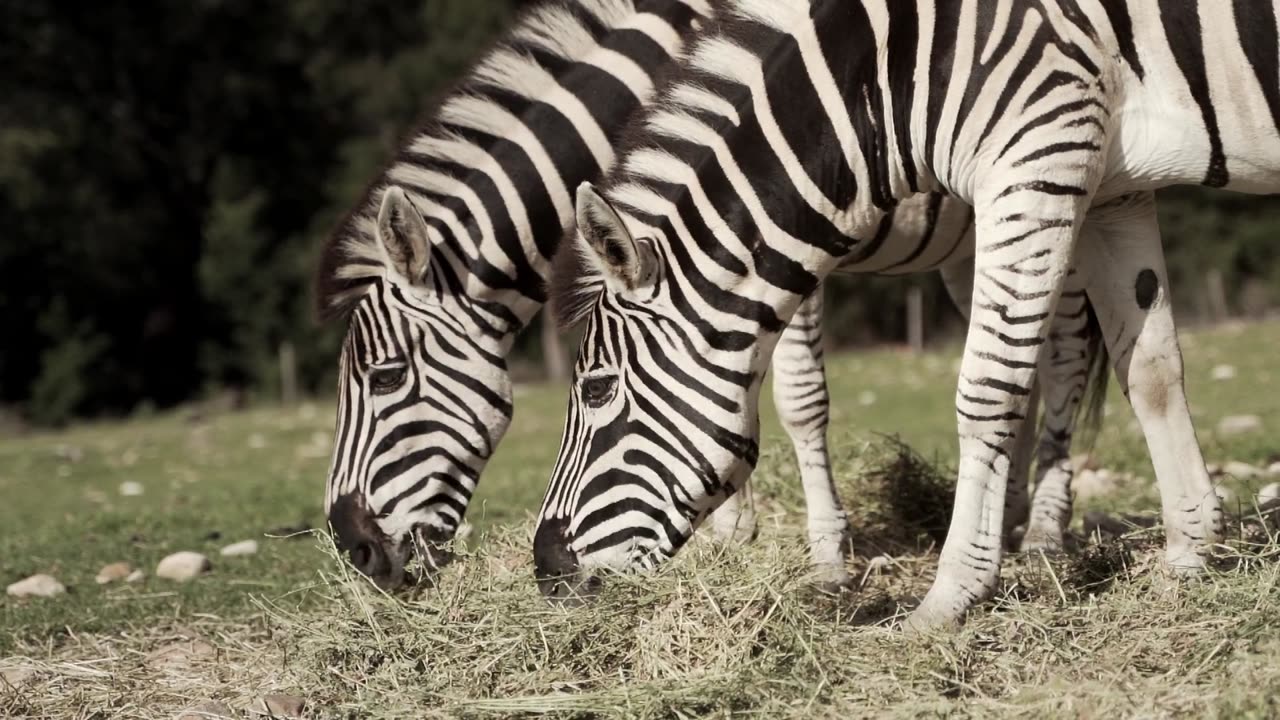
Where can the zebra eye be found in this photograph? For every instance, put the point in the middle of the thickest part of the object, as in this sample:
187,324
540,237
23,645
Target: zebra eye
596,391
384,380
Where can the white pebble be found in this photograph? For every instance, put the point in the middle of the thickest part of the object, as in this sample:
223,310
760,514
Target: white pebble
1241,470
211,710
130,489
1273,468
113,572
279,706
183,566
866,397
1239,424
1269,494
244,547
135,576
36,586
1223,372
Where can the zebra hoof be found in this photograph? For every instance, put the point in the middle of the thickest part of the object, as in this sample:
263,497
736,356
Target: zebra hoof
925,620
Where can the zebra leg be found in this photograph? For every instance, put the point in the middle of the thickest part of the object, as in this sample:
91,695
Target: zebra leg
1025,240
800,395
1123,263
734,522
958,280
1064,373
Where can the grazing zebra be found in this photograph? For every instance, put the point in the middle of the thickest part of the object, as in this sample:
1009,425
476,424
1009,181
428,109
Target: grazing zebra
443,263
776,156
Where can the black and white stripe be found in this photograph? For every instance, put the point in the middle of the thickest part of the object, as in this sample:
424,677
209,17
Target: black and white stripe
776,158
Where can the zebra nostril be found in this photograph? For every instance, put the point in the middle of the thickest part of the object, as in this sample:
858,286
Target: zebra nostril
369,559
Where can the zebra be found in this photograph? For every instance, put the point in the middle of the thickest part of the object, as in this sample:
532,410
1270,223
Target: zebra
784,142
442,263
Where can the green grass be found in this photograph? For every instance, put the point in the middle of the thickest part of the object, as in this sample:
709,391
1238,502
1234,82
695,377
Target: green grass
289,618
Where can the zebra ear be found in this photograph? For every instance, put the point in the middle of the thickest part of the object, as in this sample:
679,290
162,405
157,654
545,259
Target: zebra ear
618,254
403,234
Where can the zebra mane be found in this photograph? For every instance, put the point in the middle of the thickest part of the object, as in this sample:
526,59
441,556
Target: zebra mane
352,258
681,95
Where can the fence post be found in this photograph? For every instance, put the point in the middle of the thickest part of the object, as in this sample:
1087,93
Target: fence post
915,318
288,374
552,350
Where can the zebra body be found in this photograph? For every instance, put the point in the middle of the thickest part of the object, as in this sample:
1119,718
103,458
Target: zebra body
775,158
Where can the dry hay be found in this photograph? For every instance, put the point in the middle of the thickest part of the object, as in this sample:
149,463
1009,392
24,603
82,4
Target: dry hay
1102,633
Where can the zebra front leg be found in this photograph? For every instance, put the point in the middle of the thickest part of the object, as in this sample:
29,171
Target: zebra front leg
1026,233
800,395
734,522
958,280
1123,264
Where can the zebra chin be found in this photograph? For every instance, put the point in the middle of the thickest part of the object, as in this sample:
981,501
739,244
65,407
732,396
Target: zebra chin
388,561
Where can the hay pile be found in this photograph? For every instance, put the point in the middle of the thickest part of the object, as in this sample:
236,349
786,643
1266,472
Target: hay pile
723,630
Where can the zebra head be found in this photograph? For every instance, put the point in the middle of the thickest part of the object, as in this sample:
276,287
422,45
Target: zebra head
424,397
662,422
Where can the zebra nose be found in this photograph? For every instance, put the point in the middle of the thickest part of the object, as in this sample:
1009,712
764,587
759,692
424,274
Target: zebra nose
358,534
555,564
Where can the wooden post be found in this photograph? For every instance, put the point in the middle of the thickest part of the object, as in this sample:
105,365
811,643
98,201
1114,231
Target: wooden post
1217,295
915,318
288,374
553,351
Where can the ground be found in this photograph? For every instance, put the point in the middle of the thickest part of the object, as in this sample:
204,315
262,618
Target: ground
1100,633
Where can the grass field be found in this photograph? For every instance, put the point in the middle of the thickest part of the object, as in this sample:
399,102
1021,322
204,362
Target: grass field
1102,633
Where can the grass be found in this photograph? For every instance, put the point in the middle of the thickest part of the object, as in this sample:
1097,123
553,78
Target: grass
1102,633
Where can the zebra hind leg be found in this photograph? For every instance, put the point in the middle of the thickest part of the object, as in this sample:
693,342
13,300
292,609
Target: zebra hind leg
1123,262
1064,373
958,281
803,404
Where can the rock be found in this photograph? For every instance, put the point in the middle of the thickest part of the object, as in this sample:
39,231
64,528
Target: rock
113,572
1273,468
1241,470
130,489
866,397
181,654
245,547
36,586
1269,494
1223,372
1239,424
135,576
279,706
15,676
183,566
211,710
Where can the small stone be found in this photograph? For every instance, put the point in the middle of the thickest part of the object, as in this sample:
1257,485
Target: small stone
36,586
130,489
183,566
279,706
181,654
1273,468
1269,494
1239,424
1223,372
1241,470
211,710
113,572
15,676
244,547
135,576
866,397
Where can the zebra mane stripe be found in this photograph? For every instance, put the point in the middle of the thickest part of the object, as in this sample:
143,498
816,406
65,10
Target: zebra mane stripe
351,258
